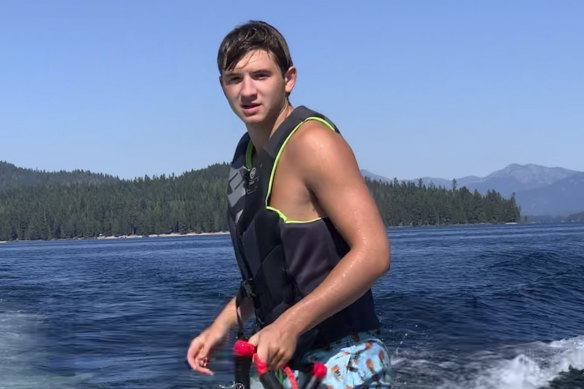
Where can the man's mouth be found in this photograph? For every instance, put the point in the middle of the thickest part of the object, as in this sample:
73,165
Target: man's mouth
250,109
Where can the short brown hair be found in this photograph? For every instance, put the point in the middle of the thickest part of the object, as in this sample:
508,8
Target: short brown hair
253,35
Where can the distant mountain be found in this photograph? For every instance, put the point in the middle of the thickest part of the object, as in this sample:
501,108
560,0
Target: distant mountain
561,198
374,177
516,178
439,182
539,190
13,177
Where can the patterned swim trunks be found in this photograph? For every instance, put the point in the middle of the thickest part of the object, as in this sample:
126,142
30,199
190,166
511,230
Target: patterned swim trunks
356,361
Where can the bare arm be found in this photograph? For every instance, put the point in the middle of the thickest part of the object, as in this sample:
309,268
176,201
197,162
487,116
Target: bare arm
227,318
332,174
328,168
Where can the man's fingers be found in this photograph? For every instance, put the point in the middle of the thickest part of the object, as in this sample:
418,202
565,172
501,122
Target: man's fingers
279,361
203,356
270,353
198,356
254,339
263,353
193,351
201,366
199,362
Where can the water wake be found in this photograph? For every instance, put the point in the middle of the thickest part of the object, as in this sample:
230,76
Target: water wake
23,357
536,365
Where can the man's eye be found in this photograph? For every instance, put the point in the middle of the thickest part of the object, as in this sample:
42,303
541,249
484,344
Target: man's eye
261,76
233,79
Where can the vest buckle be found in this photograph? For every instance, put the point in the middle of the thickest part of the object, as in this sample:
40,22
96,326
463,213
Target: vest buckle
248,288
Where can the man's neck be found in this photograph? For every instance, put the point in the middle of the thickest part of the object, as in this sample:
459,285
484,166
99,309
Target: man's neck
260,133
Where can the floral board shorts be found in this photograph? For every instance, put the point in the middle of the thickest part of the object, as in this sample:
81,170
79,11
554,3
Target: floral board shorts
355,361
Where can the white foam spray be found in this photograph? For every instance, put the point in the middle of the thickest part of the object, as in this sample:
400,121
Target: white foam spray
535,365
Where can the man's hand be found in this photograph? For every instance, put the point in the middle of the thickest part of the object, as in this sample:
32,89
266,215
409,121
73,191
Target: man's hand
275,344
202,347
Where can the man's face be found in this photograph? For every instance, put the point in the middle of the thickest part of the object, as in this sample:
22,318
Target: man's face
256,89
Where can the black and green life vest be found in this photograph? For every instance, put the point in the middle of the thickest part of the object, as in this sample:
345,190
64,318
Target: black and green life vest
283,260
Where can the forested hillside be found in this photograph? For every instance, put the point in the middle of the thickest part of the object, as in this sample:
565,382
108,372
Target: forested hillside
196,202
576,218
192,202
406,203
12,177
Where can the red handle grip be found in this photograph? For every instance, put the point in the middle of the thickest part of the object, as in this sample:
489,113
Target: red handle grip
319,370
245,349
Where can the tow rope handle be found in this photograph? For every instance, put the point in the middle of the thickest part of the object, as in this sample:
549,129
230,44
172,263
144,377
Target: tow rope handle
243,349
242,363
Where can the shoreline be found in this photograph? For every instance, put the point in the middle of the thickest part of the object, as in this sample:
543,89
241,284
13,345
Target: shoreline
116,237
171,235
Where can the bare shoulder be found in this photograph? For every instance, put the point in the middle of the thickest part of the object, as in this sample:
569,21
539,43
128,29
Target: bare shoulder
313,134
321,154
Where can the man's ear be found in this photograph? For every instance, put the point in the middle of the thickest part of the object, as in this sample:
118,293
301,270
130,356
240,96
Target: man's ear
290,79
221,84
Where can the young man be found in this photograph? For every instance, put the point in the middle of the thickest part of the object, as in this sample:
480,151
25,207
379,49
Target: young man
308,238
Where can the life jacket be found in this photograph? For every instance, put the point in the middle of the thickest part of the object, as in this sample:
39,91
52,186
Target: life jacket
281,260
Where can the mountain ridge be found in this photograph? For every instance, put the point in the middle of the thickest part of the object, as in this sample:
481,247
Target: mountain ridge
539,190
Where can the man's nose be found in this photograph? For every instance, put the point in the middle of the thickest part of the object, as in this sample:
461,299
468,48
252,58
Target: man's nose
248,87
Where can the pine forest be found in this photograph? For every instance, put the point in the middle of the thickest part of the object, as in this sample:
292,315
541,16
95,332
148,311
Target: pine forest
80,204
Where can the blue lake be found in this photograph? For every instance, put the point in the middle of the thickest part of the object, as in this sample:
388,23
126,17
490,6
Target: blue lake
462,307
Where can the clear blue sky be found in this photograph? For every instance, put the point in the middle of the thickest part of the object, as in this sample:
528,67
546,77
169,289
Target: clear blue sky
419,88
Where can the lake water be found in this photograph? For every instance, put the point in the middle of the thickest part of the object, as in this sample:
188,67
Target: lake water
462,307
